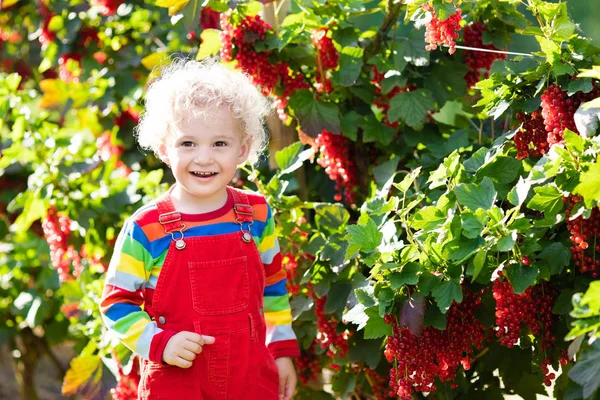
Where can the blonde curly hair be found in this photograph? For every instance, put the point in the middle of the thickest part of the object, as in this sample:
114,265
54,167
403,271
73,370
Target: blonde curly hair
187,87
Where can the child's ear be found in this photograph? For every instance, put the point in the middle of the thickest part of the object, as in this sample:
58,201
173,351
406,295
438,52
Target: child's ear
244,150
162,154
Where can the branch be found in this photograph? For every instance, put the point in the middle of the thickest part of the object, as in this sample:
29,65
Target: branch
393,12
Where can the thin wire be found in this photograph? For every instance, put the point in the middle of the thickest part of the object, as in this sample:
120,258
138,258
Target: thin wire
492,51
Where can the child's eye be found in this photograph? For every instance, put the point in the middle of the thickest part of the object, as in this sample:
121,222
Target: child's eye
220,144
187,143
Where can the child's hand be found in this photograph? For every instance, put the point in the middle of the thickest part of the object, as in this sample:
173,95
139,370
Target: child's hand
183,347
287,377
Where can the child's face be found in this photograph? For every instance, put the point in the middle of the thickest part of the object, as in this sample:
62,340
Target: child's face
204,155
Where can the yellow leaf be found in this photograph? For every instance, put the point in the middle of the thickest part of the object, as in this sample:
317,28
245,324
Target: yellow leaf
170,3
88,119
7,3
80,374
211,43
177,8
54,93
153,60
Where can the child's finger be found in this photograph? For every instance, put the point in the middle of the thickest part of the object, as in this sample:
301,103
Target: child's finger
192,346
182,363
282,384
187,355
207,339
290,387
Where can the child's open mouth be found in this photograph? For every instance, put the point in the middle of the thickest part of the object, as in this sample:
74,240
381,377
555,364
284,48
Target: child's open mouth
203,174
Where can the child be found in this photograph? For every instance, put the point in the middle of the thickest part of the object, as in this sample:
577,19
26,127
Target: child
195,284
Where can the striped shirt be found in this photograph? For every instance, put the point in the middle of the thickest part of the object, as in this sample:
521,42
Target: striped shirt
135,267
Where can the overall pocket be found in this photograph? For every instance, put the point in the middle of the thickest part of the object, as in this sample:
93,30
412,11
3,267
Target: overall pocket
220,287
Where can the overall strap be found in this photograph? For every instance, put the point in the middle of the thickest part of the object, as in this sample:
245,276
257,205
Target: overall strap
241,206
243,212
168,217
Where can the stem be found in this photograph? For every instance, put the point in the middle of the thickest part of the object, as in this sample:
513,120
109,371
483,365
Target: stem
25,364
393,12
43,343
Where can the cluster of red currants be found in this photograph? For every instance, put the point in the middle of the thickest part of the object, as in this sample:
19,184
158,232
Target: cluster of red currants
62,255
532,138
442,32
336,158
327,59
533,309
127,385
585,238
328,337
419,360
477,60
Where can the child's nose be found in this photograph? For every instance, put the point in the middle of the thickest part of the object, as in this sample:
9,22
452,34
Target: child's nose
203,155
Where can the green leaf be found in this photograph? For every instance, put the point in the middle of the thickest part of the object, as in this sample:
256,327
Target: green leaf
435,318
428,218
357,316
589,186
350,61
210,45
550,49
314,115
292,157
591,297
365,350
337,297
447,87
366,296
34,209
507,243
191,14
452,114
427,282
367,236
473,223
445,293
408,180
518,194
555,256
521,277
574,142
579,85
376,326
384,174
413,49
349,125
375,131
474,196
478,263
333,216
477,160
501,170
462,248
411,107
409,275
547,199
586,371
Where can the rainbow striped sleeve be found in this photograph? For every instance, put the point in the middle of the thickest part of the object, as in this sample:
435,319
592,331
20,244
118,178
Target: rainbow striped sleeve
281,339
122,298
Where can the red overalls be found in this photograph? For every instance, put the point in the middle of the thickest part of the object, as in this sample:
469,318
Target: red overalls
212,286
